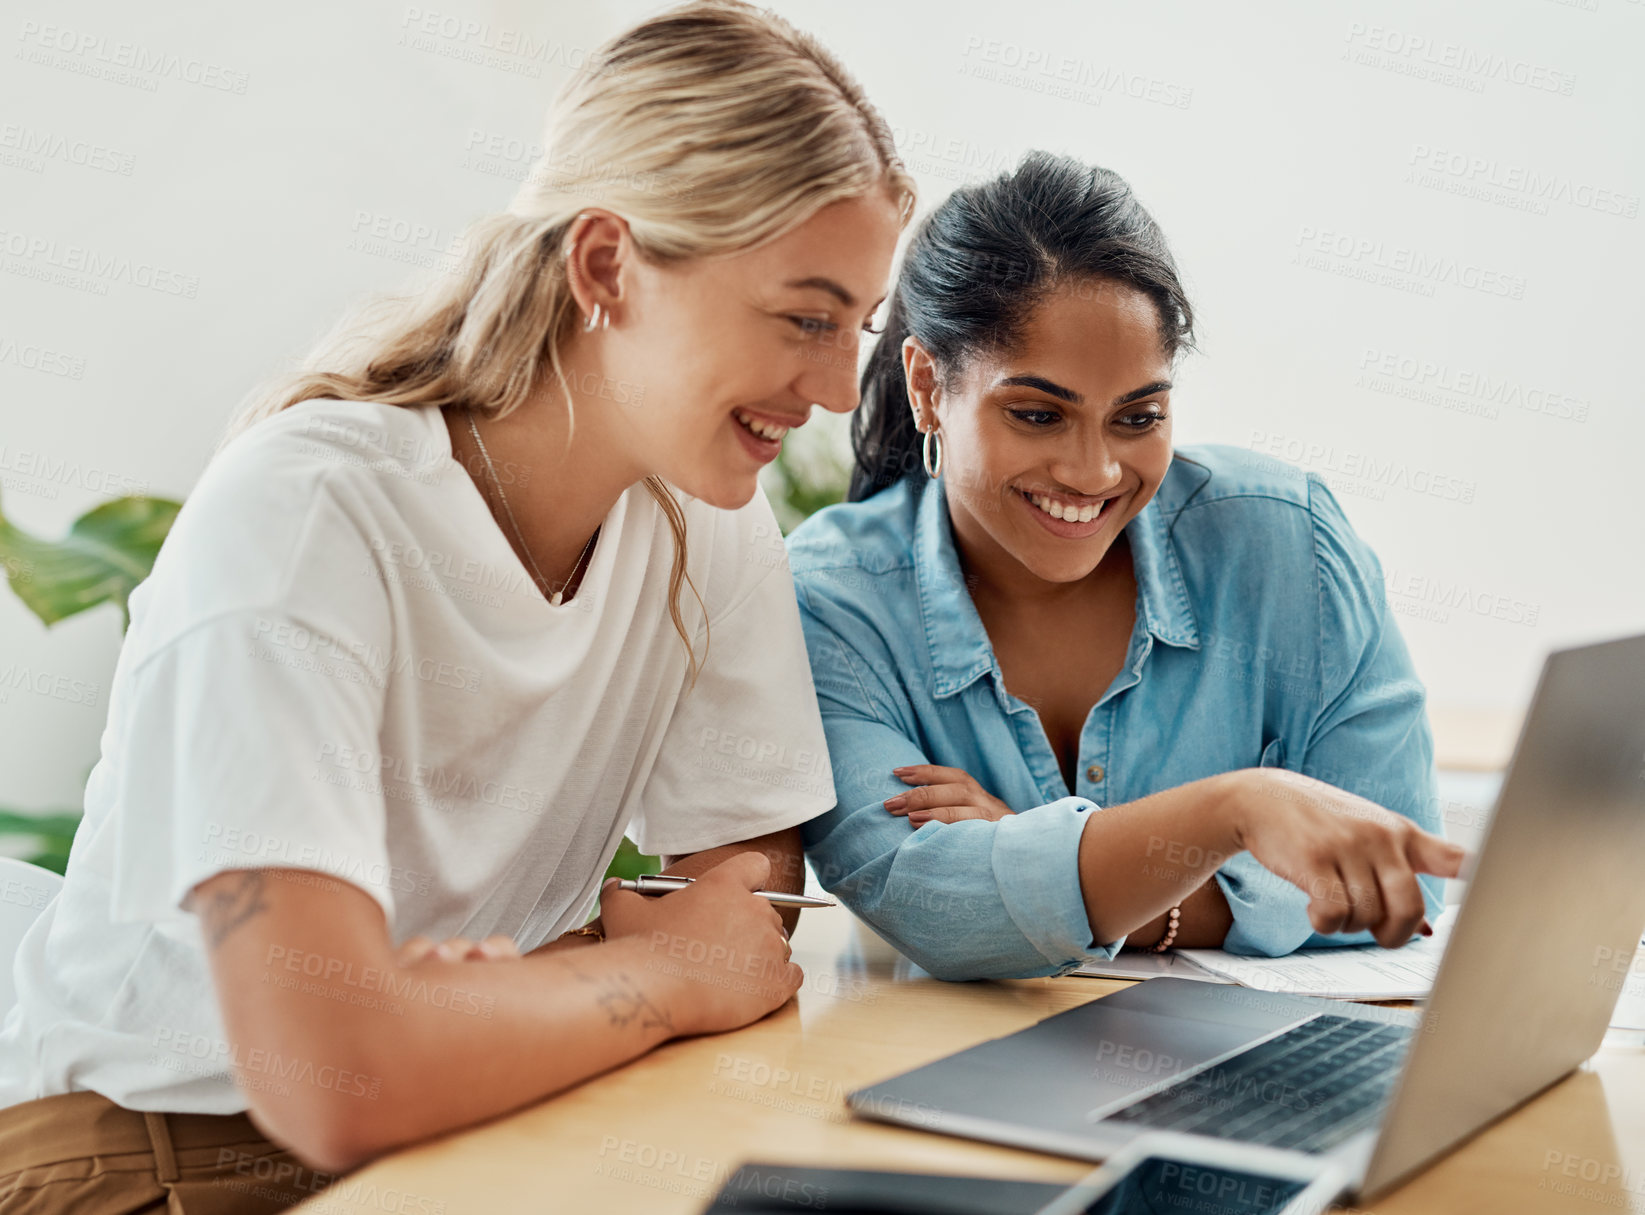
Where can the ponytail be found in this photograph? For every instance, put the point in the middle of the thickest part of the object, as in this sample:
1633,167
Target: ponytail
884,439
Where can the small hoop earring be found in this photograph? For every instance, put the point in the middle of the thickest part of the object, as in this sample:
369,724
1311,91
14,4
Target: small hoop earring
933,465
594,319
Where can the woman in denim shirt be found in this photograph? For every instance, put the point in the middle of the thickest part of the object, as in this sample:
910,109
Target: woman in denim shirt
1070,676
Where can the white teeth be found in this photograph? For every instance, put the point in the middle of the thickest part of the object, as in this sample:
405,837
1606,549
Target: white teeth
766,430
1071,514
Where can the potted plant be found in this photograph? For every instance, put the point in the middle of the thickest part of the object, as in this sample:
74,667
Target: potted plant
106,553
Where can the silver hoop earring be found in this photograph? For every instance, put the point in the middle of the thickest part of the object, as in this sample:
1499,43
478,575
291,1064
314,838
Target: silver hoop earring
933,465
595,318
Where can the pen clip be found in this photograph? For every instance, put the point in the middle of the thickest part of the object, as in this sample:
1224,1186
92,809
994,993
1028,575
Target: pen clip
661,881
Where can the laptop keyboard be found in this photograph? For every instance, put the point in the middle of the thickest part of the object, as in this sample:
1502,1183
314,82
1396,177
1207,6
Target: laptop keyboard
1308,1089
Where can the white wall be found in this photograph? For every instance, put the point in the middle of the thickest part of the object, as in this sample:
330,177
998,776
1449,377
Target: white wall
236,152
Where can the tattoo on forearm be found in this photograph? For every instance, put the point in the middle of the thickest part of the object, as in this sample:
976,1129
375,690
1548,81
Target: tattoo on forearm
623,1003
240,899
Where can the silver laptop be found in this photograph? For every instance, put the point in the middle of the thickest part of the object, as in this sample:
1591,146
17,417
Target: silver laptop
1523,995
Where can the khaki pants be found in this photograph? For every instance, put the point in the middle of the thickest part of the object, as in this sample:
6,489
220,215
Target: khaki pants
81,1153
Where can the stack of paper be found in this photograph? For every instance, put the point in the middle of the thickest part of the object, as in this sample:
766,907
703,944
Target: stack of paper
1357,972
1138,964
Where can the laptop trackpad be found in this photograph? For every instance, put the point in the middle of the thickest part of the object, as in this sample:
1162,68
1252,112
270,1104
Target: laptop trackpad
1054,1074
1114,1055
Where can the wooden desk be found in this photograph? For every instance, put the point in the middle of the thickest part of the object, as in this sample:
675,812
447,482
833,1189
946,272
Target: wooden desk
660,1135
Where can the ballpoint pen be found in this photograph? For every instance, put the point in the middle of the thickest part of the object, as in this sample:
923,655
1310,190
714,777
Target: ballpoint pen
663,883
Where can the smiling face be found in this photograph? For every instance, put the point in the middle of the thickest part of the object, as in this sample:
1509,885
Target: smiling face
732,352
1049,450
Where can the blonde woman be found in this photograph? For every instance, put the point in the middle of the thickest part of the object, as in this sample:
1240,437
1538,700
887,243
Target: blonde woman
486,585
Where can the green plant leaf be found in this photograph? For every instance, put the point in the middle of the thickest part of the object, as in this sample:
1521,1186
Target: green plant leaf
55,859
53,823
802,491
52,834
107,552
630,862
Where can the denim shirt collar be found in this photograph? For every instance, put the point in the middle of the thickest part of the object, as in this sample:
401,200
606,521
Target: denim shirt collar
958,644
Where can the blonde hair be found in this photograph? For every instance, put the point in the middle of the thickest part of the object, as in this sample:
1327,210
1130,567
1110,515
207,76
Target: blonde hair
711,128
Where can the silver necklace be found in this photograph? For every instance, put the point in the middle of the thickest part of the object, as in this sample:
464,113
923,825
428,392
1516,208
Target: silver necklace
542,583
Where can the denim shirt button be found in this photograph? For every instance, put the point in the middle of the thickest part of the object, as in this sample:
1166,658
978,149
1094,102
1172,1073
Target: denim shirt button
1094,774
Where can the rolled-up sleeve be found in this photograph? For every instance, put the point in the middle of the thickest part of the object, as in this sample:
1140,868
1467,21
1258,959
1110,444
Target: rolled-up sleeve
1369,736
966,900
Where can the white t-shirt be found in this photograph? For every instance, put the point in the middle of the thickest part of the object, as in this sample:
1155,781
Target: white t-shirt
339,664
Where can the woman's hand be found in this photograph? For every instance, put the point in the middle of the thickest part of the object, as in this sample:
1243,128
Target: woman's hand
1356,861
944,795
725,948
457,949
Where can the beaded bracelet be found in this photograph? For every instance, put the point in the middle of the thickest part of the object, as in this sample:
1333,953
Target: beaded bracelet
1170,931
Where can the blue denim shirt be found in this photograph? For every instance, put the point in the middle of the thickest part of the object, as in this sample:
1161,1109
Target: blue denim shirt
1262,638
